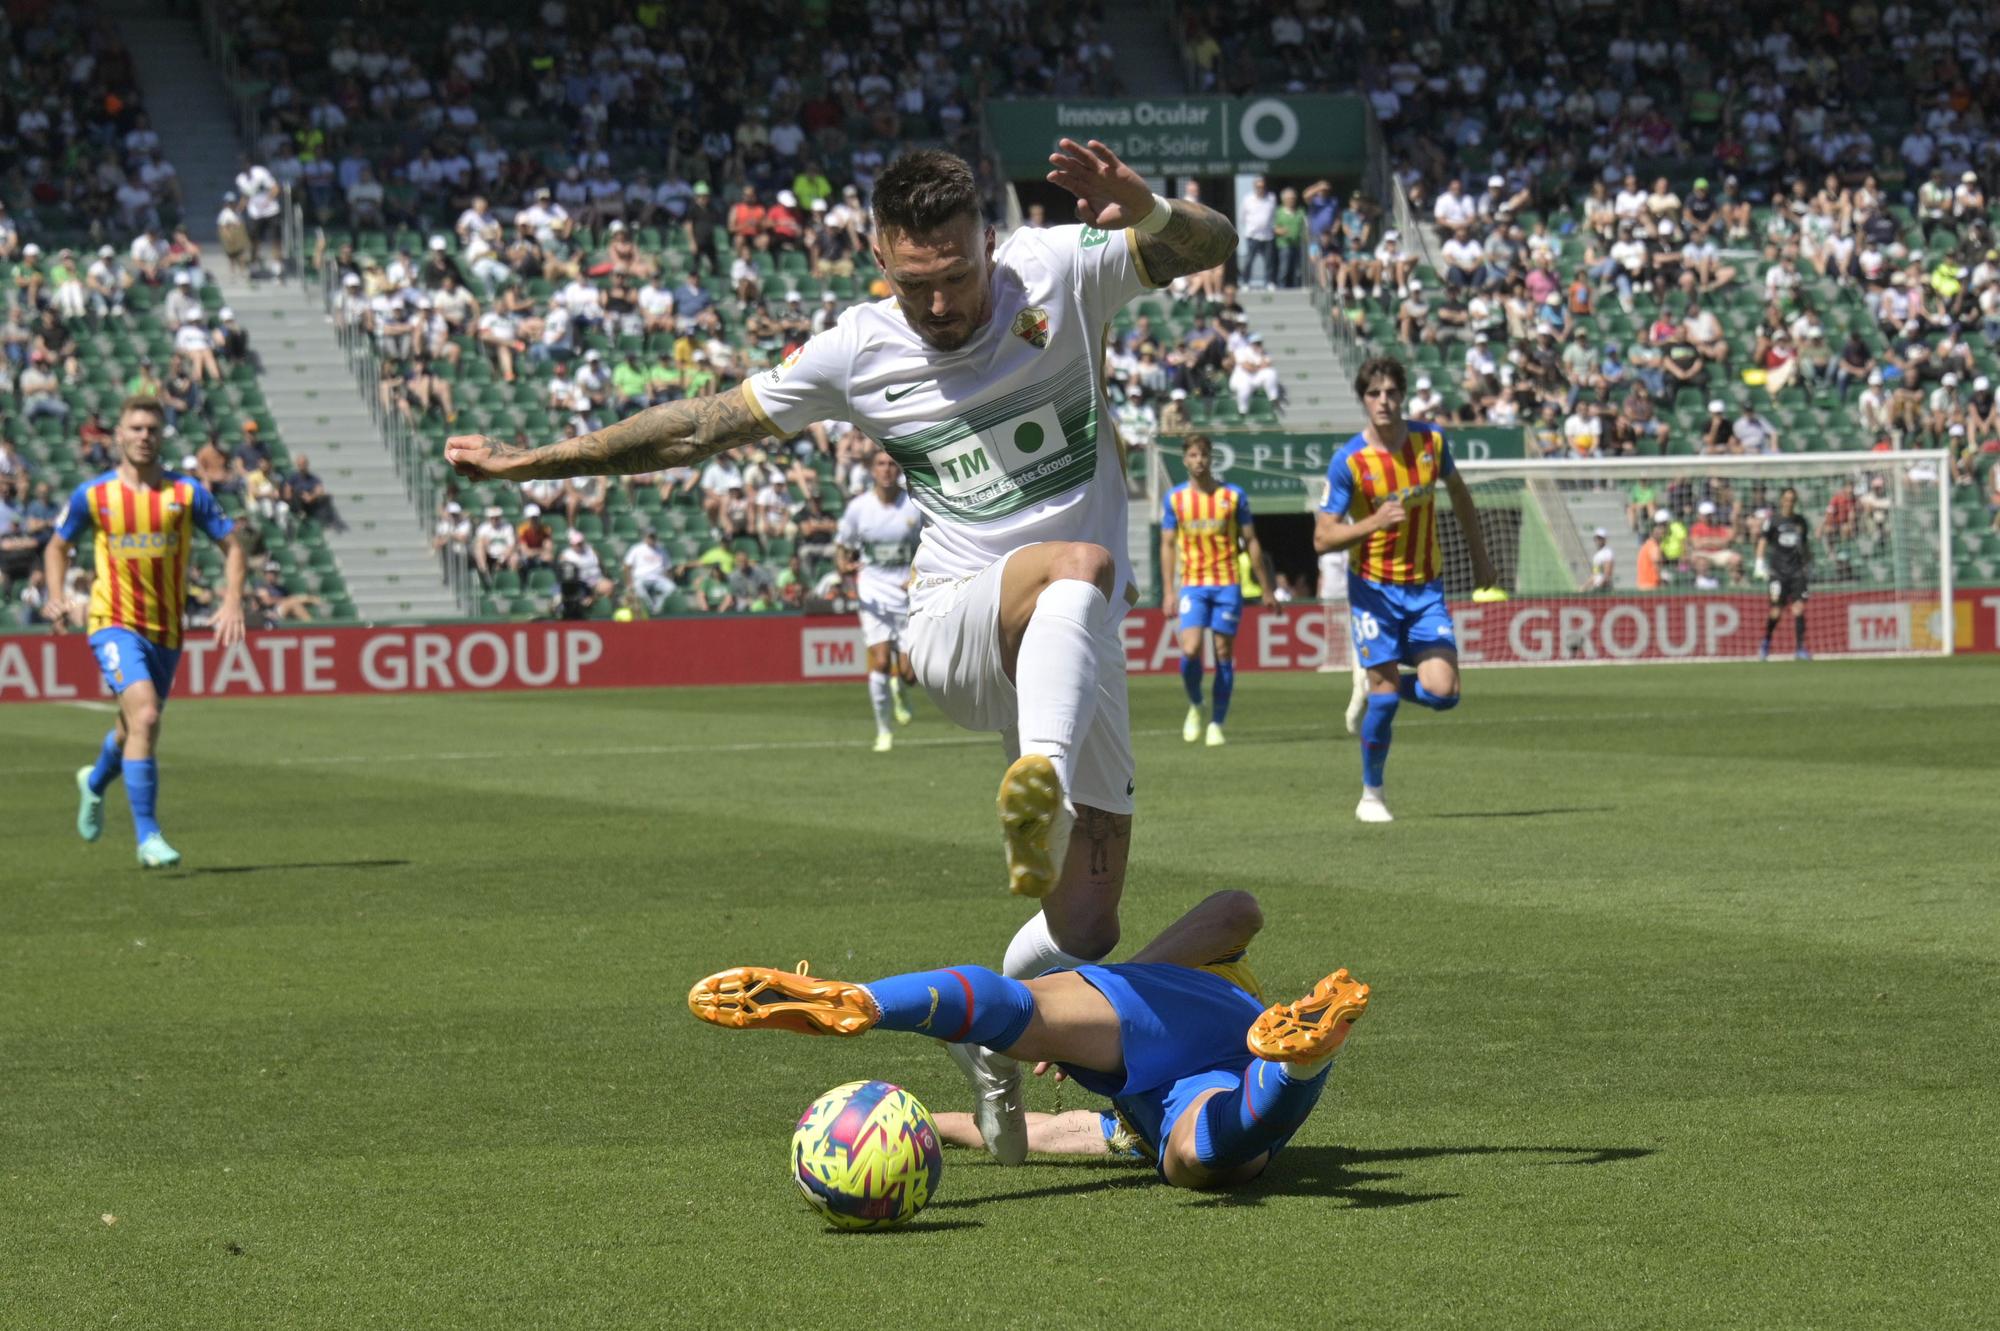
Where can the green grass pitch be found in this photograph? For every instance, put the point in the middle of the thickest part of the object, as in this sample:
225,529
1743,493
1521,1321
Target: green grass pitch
1687,1008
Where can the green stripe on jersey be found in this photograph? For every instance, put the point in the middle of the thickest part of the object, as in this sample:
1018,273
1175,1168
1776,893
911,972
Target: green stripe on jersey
1009,454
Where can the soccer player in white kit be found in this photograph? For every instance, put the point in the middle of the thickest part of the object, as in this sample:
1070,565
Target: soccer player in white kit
878,533
982,376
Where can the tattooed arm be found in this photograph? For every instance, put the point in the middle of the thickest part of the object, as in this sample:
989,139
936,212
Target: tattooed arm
673,434
1111,195
1196,239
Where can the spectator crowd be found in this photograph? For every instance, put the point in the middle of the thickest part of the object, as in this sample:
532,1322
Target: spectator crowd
106,298
1656,227
651,231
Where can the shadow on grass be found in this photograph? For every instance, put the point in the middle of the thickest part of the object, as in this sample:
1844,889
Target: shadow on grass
914,1227
1356,1177
1526,813
1105,1178
212,869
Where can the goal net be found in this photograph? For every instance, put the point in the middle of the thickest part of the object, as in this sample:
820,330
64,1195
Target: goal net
1675,575
1877,574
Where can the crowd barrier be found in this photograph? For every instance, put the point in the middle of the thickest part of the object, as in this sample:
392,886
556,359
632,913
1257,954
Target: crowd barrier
786,649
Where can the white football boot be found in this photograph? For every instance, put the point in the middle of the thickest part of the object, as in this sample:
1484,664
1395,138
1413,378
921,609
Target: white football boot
997,1107
1372,808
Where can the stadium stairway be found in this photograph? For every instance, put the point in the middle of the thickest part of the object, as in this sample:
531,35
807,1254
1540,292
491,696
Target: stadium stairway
188,107
1590,509
384,554
1320,400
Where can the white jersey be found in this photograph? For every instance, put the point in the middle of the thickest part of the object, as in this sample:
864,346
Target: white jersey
1004,442
885,536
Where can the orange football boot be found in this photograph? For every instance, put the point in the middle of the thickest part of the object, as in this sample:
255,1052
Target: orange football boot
751,996
1312,1028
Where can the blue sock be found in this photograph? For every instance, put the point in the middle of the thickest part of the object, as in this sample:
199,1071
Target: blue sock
1191,678
1225,684
1409,689
110,762
1376,728
961,1003
1261,1115
142,788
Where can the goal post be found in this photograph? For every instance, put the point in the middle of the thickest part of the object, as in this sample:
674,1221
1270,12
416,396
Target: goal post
1879,582
1879,579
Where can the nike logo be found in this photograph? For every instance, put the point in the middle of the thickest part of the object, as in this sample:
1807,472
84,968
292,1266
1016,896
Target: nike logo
925,1024
896,397
1131,786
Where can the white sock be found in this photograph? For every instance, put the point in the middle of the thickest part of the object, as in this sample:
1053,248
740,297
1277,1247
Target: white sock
1055,676
1034,952
878,694
1302,1071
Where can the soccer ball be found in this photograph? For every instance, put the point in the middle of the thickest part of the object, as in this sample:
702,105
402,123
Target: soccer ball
866,1155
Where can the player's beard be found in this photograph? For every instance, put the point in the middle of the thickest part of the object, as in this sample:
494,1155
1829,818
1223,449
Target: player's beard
954,335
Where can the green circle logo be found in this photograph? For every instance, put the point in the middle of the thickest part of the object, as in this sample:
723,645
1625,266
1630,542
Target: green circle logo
1028,437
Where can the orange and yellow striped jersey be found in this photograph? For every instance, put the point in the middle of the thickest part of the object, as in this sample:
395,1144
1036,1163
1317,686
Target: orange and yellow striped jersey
1361,478
143,537
1207,527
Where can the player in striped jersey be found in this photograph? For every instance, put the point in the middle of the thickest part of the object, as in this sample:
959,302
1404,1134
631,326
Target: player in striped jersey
1381,500
144,517
1202,522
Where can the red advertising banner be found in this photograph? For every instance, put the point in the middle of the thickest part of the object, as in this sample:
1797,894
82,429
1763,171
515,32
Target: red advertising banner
787,649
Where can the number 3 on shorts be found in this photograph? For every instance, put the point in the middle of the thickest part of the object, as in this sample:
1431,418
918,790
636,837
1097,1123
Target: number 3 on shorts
110,652
1365,627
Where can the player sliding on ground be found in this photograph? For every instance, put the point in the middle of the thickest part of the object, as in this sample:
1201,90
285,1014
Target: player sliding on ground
877,541
981,376
1202,521
1208,1082
1381,496
145,517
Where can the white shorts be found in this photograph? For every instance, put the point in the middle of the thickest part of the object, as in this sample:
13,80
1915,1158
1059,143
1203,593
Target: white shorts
954,646
883,623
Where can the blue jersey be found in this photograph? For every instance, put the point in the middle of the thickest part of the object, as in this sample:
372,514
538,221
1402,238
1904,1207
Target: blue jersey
1183,1029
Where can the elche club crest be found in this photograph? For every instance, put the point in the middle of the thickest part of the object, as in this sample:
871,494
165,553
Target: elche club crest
1032,326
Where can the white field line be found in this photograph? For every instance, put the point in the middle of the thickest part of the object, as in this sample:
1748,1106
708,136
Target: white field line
965,740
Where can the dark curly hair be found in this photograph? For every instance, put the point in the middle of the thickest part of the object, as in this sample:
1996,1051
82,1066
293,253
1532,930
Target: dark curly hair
1377,367
924,190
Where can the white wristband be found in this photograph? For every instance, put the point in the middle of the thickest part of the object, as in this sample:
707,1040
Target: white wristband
1153,223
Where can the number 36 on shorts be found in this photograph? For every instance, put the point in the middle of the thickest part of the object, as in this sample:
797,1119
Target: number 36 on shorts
1365,627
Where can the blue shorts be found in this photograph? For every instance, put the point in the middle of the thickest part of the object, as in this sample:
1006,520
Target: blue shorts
125,658
1182,1031
1215,608
1396,625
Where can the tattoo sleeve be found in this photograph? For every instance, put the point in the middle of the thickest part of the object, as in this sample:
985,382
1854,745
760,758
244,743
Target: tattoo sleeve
1195,239
673,434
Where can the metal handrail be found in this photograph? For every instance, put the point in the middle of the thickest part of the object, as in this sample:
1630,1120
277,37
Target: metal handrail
292,236
249,120
407,448
1348,348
